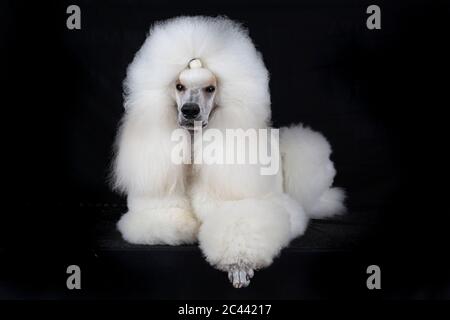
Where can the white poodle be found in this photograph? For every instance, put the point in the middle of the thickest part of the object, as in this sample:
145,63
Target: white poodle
208,70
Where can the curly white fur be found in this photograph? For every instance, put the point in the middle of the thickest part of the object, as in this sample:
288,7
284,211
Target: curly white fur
239,216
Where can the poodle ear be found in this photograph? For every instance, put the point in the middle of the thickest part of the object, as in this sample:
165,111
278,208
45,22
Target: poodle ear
142,162
142,148
155,108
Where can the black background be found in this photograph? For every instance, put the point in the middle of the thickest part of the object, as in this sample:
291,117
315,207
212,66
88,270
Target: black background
379,96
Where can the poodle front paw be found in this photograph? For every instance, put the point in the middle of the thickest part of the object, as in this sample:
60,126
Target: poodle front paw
239,275
247,233
171,226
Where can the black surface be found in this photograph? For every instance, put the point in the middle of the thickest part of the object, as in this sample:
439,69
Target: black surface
379,96
330,235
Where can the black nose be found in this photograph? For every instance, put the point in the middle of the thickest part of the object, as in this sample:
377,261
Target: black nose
190,110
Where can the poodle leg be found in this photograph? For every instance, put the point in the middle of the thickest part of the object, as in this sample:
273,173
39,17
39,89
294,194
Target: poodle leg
240,275
159,221
241,236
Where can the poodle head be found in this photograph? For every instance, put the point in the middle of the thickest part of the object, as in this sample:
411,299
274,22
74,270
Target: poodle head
197,71
195,92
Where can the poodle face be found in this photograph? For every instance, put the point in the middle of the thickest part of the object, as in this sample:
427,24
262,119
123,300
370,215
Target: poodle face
195,92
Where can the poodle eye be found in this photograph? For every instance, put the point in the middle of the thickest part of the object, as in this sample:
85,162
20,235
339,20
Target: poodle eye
180,87
210,89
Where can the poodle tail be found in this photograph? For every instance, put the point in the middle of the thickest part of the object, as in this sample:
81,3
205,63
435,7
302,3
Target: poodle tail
308,172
